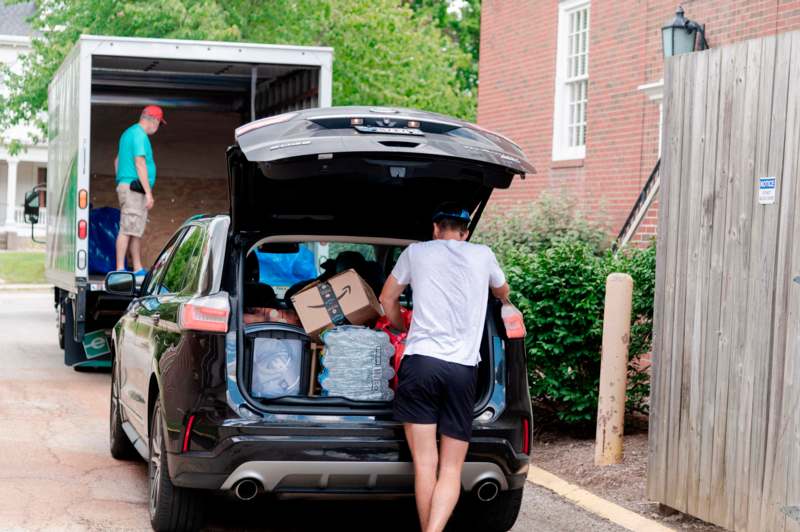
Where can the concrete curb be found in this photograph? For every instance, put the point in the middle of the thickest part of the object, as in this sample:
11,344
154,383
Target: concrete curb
10,287
594,504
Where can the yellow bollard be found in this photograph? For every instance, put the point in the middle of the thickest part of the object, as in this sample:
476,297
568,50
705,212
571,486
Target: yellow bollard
613,369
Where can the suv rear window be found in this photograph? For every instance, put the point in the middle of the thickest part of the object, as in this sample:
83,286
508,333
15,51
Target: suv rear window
285,267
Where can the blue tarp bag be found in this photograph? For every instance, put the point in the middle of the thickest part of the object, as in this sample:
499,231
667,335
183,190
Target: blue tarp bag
286,269
103,230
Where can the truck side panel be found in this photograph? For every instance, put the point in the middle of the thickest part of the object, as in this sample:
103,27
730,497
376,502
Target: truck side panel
62,173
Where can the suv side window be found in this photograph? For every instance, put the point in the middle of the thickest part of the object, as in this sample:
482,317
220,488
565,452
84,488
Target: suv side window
158,268
184,267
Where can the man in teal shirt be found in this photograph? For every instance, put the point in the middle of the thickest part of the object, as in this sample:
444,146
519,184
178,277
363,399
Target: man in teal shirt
136,177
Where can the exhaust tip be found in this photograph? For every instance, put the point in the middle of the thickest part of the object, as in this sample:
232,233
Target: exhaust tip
487,491
246,489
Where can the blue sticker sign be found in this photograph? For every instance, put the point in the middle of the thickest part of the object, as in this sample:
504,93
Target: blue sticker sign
766,190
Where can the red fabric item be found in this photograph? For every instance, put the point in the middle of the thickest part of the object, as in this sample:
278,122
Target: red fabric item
398,339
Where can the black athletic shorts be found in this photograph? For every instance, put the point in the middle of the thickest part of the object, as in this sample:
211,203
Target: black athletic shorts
433,391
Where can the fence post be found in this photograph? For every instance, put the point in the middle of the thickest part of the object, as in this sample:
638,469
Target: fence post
613,369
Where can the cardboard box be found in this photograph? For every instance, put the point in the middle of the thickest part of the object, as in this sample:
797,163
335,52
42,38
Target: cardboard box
344,299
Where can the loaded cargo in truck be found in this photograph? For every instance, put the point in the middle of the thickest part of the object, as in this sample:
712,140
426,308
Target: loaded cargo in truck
207,90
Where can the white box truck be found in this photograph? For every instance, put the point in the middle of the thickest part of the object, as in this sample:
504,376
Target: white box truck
206,89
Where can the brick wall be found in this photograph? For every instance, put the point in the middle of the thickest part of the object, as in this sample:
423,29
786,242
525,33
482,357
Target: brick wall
517,84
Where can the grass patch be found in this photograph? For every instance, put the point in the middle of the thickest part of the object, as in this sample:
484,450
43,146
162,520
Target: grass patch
22,267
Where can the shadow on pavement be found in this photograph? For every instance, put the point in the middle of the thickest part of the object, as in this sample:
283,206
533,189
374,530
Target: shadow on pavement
224,512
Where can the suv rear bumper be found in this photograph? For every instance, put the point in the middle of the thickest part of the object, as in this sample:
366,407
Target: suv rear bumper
303,464
378,477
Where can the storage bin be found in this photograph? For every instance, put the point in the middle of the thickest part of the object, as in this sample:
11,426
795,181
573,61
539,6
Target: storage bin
280,360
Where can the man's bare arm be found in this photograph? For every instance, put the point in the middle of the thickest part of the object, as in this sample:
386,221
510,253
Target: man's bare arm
390,299
141,171
502,293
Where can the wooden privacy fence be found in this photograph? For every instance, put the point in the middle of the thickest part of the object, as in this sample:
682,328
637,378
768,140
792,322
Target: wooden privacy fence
725,412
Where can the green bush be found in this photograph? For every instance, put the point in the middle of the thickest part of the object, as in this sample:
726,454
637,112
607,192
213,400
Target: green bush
558,281
530,227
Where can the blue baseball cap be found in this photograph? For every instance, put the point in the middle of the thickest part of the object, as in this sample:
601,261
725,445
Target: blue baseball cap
462,215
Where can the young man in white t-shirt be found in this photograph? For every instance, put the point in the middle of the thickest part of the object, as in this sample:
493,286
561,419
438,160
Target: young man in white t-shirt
450,279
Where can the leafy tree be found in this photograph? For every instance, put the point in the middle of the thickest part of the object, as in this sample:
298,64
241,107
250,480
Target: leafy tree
384,53
461,20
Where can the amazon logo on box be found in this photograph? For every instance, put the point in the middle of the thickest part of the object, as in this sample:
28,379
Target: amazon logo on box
344,299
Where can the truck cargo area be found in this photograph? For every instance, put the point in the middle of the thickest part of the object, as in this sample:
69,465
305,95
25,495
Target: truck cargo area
204,102
206,90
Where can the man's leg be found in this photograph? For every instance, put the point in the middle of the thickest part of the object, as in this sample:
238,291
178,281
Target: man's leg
422,442
136,253
452,453
122,250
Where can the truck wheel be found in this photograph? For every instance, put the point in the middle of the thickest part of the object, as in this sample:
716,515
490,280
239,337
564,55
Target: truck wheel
171,508
120,446
498,515
61,325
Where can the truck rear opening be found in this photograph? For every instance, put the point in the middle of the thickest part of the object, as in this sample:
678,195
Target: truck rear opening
204,102
207,90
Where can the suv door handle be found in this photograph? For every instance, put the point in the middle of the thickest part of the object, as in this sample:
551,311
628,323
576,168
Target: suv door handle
156,318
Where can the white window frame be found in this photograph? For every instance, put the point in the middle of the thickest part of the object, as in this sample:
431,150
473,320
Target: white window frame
562,151
655,92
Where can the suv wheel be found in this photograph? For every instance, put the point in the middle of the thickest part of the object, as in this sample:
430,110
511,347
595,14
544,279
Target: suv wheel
119,444
171,508
498,515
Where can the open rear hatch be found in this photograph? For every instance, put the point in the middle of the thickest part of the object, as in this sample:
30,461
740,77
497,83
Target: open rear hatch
362,172
359,171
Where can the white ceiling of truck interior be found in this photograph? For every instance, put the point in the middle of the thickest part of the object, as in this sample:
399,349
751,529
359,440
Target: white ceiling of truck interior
210,85
197,68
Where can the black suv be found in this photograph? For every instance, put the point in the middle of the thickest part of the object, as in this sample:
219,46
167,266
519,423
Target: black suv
330,181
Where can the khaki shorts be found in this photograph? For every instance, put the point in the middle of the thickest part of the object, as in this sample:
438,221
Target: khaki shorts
133,211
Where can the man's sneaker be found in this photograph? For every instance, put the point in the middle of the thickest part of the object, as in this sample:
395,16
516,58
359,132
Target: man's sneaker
140,273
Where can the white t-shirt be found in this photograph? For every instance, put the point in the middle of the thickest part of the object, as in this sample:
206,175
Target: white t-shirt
450,280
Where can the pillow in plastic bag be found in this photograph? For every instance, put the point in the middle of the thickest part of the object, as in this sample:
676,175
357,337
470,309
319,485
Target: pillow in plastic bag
276,367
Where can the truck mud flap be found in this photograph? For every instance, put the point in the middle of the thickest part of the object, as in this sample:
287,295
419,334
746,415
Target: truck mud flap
74,352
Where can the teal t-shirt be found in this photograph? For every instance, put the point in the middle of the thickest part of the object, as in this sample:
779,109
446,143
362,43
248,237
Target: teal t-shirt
134,143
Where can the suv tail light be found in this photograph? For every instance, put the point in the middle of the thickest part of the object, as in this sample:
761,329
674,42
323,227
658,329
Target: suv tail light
187,433
526,436
208,313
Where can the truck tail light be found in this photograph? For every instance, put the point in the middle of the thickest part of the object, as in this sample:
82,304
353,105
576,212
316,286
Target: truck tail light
208,313
83,198
82,229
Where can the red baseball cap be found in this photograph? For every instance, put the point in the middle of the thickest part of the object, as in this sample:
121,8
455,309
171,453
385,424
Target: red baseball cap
156,112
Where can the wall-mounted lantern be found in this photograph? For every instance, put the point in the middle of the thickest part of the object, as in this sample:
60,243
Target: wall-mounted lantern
680,35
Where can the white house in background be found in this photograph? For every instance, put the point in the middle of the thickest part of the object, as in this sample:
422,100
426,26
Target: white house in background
20,172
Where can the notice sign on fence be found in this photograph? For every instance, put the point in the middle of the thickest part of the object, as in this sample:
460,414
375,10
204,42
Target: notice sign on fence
766,190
